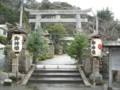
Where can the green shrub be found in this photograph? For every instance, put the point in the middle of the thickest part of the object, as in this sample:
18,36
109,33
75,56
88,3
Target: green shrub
78,47
42,58
6,50
37,44
3,40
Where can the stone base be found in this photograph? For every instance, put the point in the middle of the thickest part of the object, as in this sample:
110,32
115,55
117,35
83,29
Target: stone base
13,76
7,82
97,76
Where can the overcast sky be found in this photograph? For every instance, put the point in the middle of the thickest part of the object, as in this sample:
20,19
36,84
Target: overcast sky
113,5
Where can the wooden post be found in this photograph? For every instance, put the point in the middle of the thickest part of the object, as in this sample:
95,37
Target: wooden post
110,72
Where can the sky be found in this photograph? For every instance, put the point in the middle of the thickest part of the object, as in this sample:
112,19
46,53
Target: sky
113,5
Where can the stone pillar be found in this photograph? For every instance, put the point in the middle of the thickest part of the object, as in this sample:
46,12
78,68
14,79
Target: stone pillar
96,76
58,17
15,64
38,23
78,24
96,64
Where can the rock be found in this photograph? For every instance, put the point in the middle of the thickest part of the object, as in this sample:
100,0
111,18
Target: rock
7,82
3,76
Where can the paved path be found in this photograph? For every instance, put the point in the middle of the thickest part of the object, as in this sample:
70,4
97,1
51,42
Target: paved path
2,74
16,88
60,60
63,87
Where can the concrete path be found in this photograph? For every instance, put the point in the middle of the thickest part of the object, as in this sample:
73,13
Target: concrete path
16,88
3,75
60,60
63,87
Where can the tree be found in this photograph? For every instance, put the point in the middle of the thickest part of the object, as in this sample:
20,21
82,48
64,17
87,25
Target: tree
45,4
37,44
9,15
78,47
0,3
105,14
58,32
61,5
13,4
107,24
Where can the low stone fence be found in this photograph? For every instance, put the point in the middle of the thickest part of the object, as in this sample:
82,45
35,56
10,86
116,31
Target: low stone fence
25,61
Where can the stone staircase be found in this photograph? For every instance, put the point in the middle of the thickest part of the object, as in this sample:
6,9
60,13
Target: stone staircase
56,74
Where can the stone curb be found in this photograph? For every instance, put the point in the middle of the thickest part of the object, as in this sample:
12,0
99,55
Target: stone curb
26,78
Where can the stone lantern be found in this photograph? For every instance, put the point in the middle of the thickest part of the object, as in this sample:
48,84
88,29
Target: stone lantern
17,43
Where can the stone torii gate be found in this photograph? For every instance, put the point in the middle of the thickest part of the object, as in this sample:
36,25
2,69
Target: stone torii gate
38,14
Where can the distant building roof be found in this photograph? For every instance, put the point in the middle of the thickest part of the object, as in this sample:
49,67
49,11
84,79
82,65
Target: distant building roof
95,34
4,27
111,43
67,38
18,30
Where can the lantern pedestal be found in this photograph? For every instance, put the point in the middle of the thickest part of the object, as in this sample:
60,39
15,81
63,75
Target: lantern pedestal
96,76
15,64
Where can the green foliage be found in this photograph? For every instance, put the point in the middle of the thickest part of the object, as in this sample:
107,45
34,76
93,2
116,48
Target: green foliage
105,14
13,4
42,58
6,50
8,13
78,47
3,40
61,5
45,4
36,43
57,31
0,3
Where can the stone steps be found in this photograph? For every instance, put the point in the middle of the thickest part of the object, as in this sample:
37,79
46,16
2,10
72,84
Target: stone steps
56,75
56,80
56,70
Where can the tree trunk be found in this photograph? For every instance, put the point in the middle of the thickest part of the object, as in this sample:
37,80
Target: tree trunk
34,59
79,59
56,48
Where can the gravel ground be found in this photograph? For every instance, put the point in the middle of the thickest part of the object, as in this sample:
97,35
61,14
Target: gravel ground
63,87
16,88
60,60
